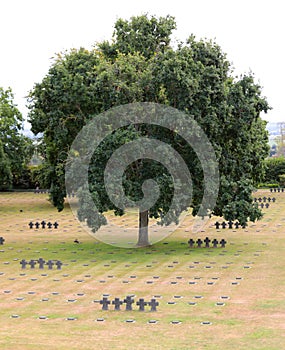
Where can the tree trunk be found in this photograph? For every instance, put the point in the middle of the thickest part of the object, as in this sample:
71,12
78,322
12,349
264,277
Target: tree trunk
143,229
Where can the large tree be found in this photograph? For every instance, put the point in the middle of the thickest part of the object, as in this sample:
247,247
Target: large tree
140,65
15,148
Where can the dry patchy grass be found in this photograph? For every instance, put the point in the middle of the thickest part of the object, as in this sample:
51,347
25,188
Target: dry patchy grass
253,316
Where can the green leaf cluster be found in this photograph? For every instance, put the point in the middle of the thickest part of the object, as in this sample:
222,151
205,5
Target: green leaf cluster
15,148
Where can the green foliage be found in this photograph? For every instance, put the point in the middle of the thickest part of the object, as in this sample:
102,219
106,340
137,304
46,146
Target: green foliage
143,35
282,180
17,148
273,168
139,65
5,170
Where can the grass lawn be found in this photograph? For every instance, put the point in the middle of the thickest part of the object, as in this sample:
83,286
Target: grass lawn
223,298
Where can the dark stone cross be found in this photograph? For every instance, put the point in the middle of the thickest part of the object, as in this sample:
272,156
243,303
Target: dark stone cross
269,199
278,189
32,263
105,303
117,302
271,190
141,303
37,224
267,205
129,301
236,224
50,264
153,304
260,200
217,224
262,205
255,199
31,225
41,262
24,263
49,225
224,224
230,223
207,242
264,199
43,223
191,242
223,243
273,199
2,240
215,243
199,242
58,264
55,225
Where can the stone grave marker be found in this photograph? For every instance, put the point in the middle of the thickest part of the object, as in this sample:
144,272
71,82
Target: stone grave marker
58,264
41,262
32,263
117,303
128,301
130,321
105,303
230,223
199,242
50,264
224,224
217,224
24,263
207,242
141,303
153,304
49,225
191,243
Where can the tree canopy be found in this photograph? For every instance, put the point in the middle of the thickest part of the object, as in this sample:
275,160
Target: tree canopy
15,148
140,65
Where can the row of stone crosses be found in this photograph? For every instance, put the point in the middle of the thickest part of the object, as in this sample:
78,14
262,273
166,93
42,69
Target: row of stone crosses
230,224
279,189
43,225
207,242
264,199
141,303
41,262
40,191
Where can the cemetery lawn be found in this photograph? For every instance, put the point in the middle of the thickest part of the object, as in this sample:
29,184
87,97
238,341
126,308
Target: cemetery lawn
60,309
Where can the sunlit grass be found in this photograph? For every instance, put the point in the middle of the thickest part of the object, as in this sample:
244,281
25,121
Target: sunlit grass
249,270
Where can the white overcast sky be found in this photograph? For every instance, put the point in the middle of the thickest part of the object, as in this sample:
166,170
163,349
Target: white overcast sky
251,32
